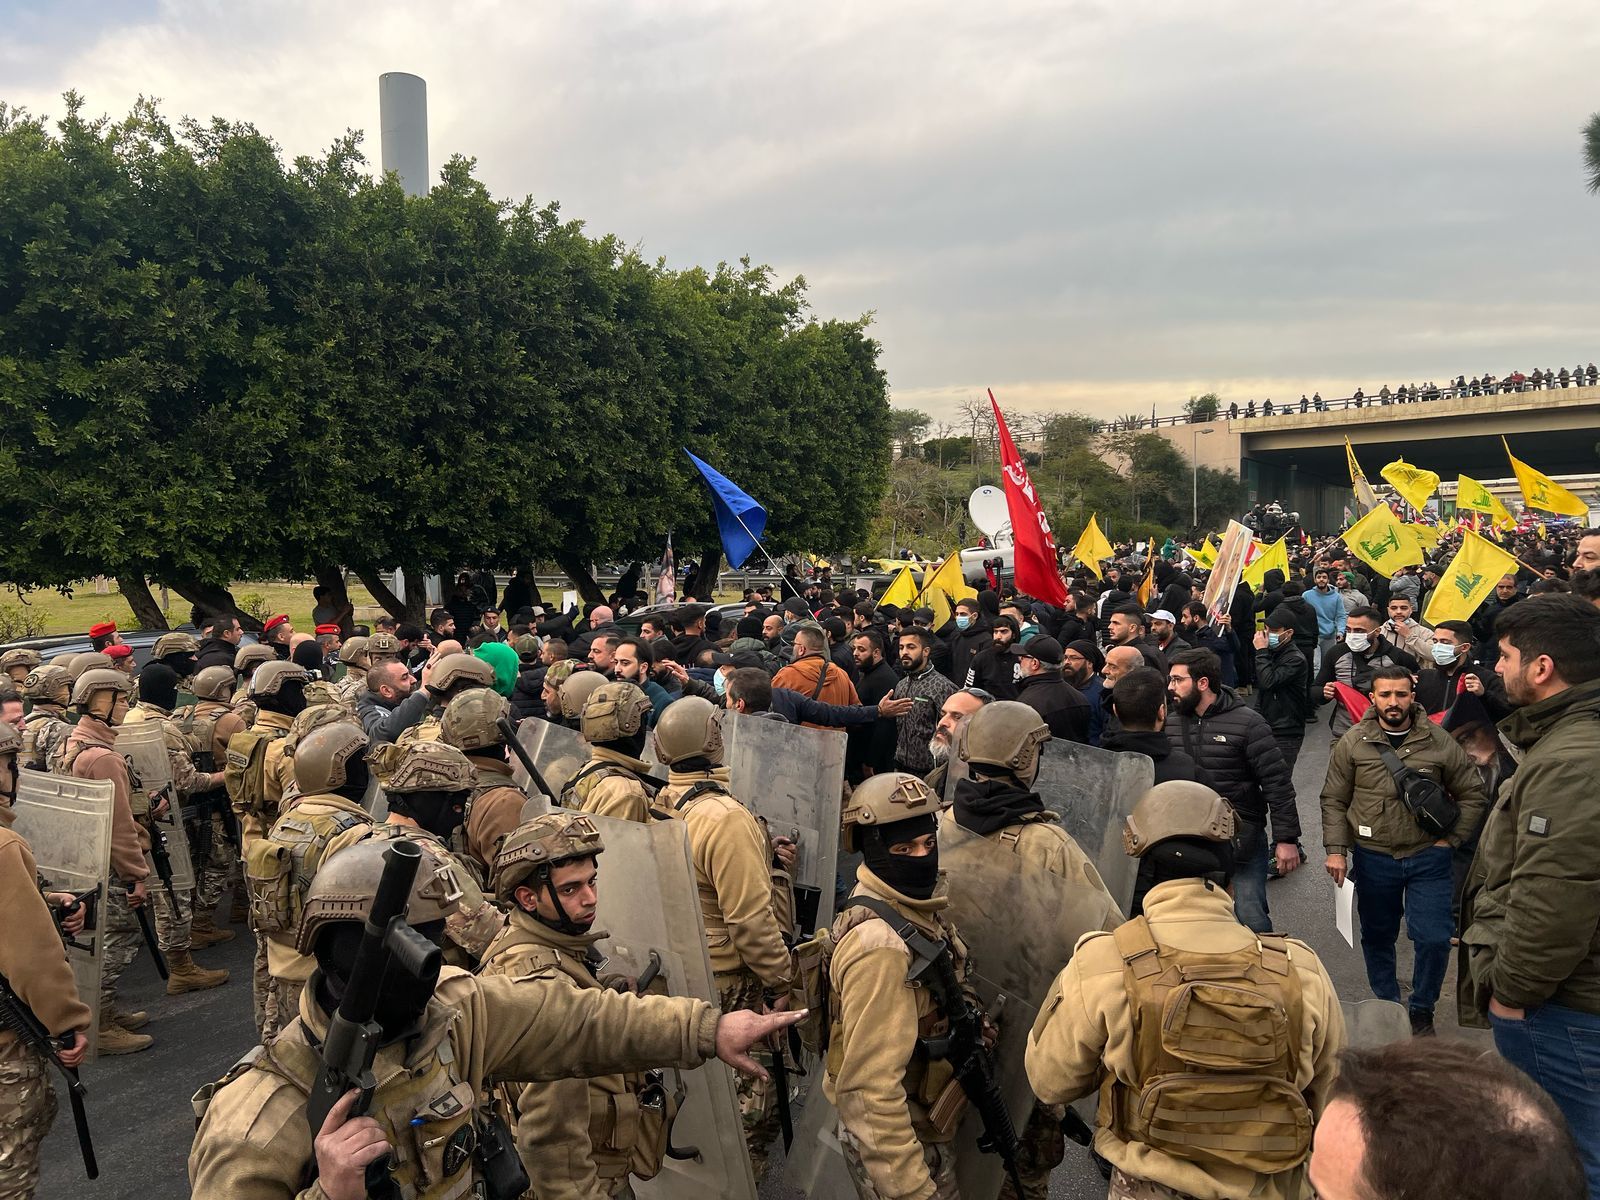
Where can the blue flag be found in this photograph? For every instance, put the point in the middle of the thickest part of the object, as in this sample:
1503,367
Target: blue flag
733,507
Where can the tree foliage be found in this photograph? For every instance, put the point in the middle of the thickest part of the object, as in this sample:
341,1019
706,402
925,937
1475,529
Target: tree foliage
1199,409
218,365
1591,153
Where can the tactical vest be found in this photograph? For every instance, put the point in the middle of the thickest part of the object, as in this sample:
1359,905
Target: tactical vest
630,1115
475,922
279,867
1216,1052
43,739
576,792
245,771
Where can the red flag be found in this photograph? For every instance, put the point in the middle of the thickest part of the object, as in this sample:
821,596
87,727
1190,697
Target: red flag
1033,546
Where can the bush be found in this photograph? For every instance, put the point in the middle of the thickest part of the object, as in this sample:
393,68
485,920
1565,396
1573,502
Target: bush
20,621
255,604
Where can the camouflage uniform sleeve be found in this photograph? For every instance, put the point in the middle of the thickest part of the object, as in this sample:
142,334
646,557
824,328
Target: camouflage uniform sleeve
878,1036
185,779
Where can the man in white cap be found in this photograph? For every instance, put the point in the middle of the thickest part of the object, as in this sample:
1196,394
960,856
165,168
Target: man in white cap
1162,628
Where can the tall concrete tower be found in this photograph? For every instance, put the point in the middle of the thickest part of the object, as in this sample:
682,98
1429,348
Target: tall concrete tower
403,119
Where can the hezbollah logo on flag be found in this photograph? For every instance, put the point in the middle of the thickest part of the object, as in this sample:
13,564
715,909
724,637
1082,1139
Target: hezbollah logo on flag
1379,541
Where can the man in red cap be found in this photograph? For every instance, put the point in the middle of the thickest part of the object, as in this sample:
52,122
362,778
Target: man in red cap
330,641
121,657
276,633
104,634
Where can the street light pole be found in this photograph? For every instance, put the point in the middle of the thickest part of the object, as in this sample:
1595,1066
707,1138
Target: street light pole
1195,433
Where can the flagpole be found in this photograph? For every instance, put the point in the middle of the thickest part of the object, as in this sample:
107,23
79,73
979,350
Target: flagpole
757,541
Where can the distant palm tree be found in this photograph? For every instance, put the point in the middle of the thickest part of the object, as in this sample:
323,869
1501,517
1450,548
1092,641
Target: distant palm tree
1591,151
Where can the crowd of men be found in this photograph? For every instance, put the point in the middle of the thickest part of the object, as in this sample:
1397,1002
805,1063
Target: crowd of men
1410,393
305,765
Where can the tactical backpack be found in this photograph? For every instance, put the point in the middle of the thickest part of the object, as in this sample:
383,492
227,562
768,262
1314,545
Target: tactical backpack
593,771
245,772
278,867
1216,1047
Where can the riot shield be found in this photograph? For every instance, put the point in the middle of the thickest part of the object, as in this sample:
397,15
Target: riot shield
144,745
1369,1024
67,824
1021,925
815,1164
1093,791
650,907
557,751
793,777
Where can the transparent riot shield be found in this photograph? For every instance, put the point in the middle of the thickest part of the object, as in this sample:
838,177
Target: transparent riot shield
1369,1024
1093,791
651,911
1020,924
815,1163
793,777
144,745
67,824
557,751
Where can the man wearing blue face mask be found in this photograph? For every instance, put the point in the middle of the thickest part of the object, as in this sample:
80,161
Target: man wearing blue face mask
973,632
1452,672
1281,683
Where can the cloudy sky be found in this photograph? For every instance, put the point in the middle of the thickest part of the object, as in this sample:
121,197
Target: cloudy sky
1087,205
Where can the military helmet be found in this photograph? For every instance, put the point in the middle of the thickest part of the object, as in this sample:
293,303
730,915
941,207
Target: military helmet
545,841
321,758
453,670
431,767
10,739
1177,808
353,653
577,689
212,683
614,711
270,677
883,800
248,658
1006,734
93,661
21,656
98,680
48,685
346,883
174,643
380,646
470,721
559,672
689,728
315,716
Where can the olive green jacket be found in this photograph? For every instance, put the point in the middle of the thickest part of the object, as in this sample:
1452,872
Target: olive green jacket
1531,913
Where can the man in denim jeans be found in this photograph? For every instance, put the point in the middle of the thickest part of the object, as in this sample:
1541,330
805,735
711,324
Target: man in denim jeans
1531,914
1399,868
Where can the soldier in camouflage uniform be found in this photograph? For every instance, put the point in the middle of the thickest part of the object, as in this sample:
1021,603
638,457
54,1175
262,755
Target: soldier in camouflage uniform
209,722
19,664
471,724
353,665
613,782
445,679
245,661
44,733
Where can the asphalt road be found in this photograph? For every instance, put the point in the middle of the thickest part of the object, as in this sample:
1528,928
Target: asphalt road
143,1124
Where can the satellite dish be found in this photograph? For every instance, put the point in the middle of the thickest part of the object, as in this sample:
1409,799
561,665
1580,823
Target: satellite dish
988,508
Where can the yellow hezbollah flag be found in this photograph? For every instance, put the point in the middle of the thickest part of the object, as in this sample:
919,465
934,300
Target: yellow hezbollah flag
949,578
940,603
1206,556
1092,547
1542,492
1474,497
1414,484
1274,558
1426,537
1381,541
1470,578
1148,583
902,590
1366,499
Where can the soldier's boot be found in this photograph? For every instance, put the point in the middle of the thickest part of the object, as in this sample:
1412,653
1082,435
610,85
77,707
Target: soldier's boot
137,1019
114,1039
204,932
185,975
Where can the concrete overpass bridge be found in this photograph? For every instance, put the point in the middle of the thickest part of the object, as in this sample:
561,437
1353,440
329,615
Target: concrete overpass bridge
1299,458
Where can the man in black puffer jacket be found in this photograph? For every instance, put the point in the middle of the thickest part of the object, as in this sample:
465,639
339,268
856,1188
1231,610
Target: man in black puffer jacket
1234,746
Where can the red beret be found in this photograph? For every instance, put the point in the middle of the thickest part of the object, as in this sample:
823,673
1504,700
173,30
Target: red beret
324,630
274,621
102,629
117,651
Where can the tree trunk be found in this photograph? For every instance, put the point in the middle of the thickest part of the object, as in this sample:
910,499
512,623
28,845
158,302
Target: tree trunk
413,608
211,598
705,575
331,577
578,571
147,613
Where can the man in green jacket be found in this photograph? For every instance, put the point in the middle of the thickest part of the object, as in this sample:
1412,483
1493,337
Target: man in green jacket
1531,947
1399,868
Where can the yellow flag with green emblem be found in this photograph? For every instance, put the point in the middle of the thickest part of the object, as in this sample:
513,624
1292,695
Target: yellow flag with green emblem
902,589
1274,558
1541,492
1092,547
1382,542
935,599
1474,497
1469,579
1413,483
949,579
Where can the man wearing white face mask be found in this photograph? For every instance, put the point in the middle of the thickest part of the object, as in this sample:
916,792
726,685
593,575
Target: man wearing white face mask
1353,661
1452,672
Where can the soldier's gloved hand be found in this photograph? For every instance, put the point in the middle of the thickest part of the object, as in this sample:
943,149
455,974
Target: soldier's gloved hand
738,1031
344,1147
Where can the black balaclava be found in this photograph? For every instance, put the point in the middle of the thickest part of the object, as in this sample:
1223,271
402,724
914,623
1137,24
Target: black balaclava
632,745
402,1000
910,875
183,663
158,683
440,813
563,924
356,777
698,762
309,656
288,701
1182,858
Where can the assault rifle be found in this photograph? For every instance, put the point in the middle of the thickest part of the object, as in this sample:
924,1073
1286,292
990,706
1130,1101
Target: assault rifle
16,1016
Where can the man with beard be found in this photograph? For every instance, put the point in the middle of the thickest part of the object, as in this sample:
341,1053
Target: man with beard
1141,707
1043,688
1125,627
1080,666
1370,834
632,660
953,717
1530,912
391,703
993,668
928,690
870,749
444,1035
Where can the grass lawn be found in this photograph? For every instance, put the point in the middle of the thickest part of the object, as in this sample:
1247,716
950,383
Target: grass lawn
75,613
